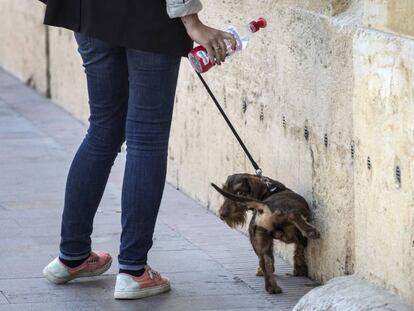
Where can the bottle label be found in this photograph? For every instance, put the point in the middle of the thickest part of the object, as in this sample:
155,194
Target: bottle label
235,33
199,59
203,56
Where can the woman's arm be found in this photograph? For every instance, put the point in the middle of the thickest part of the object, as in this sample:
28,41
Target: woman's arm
212,39
179,8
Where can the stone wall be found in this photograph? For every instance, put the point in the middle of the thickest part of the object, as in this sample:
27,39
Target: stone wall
341,70
383,117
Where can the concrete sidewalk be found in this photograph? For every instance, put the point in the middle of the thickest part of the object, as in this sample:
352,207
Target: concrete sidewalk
211,266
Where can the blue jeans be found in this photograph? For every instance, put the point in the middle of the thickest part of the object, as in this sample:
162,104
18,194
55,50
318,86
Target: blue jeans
131,98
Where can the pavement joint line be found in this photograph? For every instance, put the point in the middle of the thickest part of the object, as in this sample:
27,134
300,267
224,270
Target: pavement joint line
5,297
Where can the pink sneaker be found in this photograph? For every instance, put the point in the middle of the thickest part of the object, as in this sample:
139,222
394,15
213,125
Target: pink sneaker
132,287
96,264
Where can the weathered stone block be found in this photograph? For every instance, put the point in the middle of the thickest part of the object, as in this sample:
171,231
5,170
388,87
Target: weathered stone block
383,124
23,41
394,16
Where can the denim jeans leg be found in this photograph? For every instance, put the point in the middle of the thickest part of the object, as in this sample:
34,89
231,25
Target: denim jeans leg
107,80
153,80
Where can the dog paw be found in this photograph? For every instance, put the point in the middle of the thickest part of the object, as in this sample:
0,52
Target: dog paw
313,234
273,289
259,272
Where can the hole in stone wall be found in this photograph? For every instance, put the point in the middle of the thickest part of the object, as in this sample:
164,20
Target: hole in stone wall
398,176
244,105
352,150
325,140
261,117
306,132
369,164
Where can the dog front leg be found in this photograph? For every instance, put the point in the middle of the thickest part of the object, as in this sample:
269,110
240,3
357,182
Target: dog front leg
259,271
307,230
261,267
270,279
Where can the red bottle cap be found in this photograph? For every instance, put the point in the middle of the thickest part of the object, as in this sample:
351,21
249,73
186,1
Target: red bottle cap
262,22
257,24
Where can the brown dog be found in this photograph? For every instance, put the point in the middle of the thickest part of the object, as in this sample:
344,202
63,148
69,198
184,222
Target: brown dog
278,213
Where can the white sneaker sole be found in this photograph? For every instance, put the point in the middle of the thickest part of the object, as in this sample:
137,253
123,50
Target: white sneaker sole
142,293
57,280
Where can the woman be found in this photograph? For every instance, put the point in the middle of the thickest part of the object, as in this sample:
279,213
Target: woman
131,53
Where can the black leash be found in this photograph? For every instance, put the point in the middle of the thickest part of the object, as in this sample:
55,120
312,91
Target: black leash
252,161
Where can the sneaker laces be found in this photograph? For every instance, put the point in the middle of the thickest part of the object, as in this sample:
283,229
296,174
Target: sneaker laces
93,259
153,274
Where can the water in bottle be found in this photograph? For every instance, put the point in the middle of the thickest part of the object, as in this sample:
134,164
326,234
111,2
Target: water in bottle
199,58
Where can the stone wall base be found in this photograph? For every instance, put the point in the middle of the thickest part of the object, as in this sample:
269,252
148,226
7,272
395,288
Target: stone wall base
350,293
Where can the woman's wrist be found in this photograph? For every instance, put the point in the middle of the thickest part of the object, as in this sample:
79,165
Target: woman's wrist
190,21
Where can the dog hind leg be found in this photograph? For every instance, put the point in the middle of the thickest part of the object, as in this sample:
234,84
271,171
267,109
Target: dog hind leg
307,230
300,266
270,280
268,265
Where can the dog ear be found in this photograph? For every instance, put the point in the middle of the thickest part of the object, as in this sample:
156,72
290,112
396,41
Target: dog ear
257,187
250,202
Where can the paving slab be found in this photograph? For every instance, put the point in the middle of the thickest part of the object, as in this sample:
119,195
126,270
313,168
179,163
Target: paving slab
38,141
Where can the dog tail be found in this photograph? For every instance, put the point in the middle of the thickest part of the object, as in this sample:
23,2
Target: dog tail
251,203
234,197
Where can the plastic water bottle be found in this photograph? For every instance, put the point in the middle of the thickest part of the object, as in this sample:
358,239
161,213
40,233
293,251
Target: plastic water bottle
199,58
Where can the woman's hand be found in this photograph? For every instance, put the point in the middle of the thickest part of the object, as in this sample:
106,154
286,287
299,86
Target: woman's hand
212,39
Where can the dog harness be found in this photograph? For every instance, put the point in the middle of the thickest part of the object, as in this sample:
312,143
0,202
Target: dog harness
272,188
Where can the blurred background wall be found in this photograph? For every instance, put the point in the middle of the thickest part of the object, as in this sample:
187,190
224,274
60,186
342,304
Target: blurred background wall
324,98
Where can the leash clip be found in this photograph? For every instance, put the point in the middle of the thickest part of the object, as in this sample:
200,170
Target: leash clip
259,172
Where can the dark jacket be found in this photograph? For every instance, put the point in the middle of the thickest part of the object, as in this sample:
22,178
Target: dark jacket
138,24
